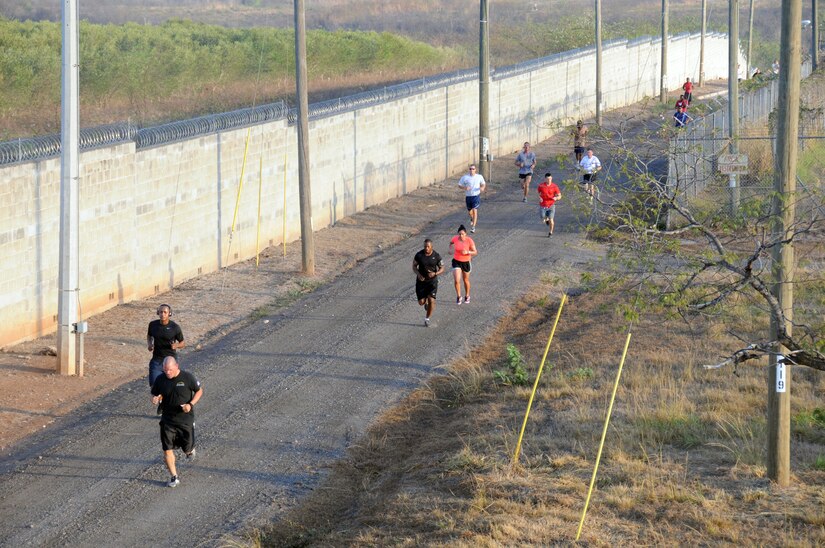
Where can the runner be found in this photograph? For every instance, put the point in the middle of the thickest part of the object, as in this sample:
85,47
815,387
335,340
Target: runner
177,392
526,161
579,140
427,265
473,185
549,193
590,165
463,249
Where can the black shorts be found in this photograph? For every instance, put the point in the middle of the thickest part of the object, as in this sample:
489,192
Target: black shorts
525,175
578,150
588,178
174,436
426,289
464,266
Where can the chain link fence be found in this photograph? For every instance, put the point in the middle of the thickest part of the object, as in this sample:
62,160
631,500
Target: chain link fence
703,174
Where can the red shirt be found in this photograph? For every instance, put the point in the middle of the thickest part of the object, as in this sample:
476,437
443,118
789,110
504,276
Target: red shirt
548,193
682,105
688,87
462,249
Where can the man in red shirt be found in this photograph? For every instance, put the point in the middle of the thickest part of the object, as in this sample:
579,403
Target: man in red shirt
681,104
549,193
688,87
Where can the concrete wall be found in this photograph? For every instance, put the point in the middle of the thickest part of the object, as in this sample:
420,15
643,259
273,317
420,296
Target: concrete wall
155,217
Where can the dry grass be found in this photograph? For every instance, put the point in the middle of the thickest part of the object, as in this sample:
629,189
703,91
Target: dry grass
683,463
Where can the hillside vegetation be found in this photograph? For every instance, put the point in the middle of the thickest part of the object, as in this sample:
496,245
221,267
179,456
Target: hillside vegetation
178,69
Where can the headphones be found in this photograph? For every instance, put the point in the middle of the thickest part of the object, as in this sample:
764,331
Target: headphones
165,306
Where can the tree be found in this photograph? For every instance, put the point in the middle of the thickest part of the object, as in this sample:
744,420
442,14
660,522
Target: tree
685,249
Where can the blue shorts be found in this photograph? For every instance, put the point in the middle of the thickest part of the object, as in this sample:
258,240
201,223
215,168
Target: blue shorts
548,212
472,202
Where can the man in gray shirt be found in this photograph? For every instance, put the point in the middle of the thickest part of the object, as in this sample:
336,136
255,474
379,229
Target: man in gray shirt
526,161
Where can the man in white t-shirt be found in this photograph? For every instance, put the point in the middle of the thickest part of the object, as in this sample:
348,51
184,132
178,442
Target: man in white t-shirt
590,165
473,185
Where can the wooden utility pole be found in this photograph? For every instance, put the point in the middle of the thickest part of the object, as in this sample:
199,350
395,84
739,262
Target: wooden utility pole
783,216
733,97
598,62
69,260
750,43
702,43
304,192
664,87
483,93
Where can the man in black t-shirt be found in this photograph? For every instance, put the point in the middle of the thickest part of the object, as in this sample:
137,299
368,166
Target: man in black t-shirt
177,392
163,338
427,265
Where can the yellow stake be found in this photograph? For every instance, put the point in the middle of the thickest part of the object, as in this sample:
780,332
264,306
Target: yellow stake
284,235
604,435
260,187
238,198
538,376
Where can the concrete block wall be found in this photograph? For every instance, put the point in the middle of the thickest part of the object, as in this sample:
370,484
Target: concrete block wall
155,217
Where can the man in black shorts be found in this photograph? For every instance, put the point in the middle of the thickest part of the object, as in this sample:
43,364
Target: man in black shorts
427,265
177,392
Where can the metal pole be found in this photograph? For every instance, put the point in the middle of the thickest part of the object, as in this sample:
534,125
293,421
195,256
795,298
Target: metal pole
750,42
783,214
814,37
483,93
733,96
304,192
663,89
599,62
702,43
69,267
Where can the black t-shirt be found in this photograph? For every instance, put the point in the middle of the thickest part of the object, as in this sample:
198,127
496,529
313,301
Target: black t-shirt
164,336
428,263
175,393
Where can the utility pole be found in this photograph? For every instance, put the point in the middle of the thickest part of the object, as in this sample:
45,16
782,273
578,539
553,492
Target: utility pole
304,192
483,93
733,96
750,43
69,262
598,62
702,43
783,216
814,37
663,89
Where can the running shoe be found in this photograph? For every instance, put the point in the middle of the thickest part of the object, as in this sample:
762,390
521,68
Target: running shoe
174,482
426,322
191,455
524,199
549,234
458,301
472,229
467,299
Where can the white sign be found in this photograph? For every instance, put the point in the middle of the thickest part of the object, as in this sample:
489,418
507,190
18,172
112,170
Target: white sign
780,375
730,164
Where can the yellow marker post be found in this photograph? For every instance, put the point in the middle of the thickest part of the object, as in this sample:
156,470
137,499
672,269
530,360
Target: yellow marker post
604,435
238,198
260,188
284,235
538,376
